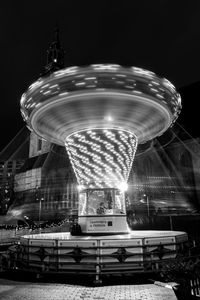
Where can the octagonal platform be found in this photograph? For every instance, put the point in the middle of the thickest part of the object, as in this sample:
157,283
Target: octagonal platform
138,251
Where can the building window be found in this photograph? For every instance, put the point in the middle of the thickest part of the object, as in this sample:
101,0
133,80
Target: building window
39,145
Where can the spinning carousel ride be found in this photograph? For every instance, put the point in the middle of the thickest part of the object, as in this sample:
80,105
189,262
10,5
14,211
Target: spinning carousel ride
100,113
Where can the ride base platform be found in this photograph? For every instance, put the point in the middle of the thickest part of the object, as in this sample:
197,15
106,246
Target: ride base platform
135,252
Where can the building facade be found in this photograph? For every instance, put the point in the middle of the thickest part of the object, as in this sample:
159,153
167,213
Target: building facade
12,158
45,187
167,179
41,184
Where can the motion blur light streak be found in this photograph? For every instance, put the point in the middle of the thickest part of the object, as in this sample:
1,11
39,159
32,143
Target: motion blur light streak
102,158
101,113
132,102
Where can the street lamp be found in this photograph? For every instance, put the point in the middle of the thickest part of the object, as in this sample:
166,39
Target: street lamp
40,208
40,199
147,202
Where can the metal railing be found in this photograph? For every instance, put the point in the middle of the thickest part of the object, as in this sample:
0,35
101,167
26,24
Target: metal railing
94,261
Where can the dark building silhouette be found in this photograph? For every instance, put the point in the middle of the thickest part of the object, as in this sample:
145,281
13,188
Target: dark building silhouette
55,56
46,182
169,177
35,172
12,157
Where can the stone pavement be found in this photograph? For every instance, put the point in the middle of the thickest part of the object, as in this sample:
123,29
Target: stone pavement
16,290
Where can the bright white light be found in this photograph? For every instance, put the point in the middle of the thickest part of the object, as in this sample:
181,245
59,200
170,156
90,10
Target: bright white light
23,99
111,67
80,187
123,186
109,118
102,157
36,84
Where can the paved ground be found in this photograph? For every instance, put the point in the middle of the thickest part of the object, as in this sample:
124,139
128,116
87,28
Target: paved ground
16,290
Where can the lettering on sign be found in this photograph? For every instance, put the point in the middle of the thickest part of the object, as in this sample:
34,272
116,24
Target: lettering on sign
97,224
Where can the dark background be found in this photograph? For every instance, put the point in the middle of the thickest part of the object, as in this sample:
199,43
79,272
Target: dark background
160,35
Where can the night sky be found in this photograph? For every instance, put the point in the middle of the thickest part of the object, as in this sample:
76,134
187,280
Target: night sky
162,36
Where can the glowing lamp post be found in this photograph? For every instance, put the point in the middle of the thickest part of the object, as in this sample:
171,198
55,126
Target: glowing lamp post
100,113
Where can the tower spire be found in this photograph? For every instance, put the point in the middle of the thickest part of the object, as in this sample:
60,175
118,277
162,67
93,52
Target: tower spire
55,55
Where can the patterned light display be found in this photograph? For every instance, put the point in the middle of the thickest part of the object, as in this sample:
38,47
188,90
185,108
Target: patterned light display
101,158
97,96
